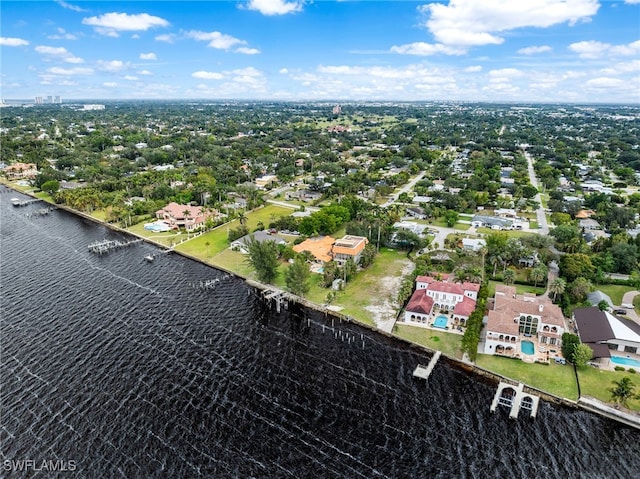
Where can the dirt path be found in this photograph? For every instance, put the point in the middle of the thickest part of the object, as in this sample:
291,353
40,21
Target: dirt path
384,307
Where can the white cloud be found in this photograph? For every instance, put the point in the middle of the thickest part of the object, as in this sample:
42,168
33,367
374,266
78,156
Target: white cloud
248,71
283,71
247,50
218,40
144,72
274,7
148,56
424,49
68,6
632,48
110,84
112,65
208,75
58,52
605,82
62,35
473,22
506,73
70,71
111,23
166,37
473,69
130,77
589,49
534,50
631,2
13,42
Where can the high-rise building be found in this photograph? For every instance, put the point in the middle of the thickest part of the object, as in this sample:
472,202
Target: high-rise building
57,99
38,100
49,99
337,110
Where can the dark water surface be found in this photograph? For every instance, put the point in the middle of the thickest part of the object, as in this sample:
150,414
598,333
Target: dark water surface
130,369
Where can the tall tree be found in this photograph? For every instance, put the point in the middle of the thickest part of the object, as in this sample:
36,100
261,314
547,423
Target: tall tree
582,353
538,274
297,276
623,391
509,277
263,258
557,286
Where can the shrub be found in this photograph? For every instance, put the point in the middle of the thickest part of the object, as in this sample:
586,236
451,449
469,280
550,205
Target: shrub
632,371
619,368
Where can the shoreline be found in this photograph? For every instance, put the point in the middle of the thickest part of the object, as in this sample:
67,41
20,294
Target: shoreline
583,403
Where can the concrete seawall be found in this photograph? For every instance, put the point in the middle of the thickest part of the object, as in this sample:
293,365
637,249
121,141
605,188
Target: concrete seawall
586,404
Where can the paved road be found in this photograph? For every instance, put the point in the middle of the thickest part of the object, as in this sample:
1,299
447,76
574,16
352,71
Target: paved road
543,226
405,189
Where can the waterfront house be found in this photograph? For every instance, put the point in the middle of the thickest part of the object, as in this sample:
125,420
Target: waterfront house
347,247
320,247
241,244
21,171
607,335
184,216
434,297
514,319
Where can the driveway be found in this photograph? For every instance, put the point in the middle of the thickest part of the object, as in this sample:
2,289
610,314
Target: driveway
627,298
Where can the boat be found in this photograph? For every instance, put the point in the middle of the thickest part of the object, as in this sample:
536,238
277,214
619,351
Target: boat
149,258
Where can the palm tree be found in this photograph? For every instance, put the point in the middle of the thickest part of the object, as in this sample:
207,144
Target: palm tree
538,274
623,391
509,276
460,276
557,286
242,218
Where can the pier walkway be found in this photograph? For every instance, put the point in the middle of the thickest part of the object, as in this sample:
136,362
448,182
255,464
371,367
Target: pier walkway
107,246
424,373
514,398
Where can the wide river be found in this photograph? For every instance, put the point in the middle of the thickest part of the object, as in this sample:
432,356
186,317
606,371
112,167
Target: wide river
124,368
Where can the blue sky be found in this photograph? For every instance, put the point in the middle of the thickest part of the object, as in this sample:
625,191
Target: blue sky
461,50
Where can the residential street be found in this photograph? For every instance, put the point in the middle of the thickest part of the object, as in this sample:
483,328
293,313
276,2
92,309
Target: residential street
541,216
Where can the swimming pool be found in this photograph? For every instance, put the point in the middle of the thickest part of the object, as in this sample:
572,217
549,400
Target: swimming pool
157,227
626,361
527,347
441,322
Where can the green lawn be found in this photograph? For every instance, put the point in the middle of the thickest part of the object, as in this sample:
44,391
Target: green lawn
520,288
443,224
614,291
217,238
533,225
368,284
596,382
510,234
554,378
448,343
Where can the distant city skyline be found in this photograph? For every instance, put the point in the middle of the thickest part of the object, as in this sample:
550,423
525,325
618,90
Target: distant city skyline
579,51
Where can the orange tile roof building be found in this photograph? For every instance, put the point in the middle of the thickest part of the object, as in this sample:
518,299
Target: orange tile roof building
319,247
349,247
515,318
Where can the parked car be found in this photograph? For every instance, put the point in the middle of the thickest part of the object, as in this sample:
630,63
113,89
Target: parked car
619,311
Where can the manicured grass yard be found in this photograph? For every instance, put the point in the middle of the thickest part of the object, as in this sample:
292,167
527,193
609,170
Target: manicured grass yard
554,378
520,288
448,343
614,291
217,238
596,382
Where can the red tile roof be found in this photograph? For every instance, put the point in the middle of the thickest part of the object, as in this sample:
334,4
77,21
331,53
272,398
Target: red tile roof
420,302
453,288
465,308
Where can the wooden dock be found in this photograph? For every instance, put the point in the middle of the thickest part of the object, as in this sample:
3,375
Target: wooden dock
424,372
107,246
19,202
514,398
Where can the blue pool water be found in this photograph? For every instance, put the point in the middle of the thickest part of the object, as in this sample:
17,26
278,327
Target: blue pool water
626,361
527,347
441,322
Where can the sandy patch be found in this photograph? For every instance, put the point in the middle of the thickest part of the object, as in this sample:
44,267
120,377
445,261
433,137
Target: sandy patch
384,307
